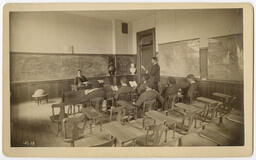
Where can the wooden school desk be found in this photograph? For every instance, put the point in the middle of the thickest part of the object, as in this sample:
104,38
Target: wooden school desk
161,118
189,113
211,104
123,133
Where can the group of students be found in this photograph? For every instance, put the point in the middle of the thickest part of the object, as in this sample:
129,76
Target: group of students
146,90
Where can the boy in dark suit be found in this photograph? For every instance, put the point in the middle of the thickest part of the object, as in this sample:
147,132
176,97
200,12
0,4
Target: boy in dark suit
124,89
154,73
171,88
149,94
170,92
192,92
108,89
80,79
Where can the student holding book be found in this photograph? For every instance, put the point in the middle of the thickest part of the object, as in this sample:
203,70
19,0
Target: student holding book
154,73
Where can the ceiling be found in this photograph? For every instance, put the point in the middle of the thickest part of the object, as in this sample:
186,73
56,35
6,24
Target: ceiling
125,15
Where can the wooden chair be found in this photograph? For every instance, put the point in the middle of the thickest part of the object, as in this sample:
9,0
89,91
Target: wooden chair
125,96
97,103
170,101
148,105
110,102
224,108
126,111
153,138
72,129
57,118
134,96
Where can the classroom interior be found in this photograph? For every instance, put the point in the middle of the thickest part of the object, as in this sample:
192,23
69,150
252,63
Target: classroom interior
48,48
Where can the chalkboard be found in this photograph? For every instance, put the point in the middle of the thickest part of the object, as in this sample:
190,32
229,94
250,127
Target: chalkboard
180,58
225,58
123,63
39,67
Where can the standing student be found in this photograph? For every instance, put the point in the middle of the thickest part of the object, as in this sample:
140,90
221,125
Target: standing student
154,73
80,79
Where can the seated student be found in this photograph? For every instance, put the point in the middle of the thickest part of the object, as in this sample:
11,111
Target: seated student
142,87
192,92
170,91
149,94
108,88
123,89
80,79
171,88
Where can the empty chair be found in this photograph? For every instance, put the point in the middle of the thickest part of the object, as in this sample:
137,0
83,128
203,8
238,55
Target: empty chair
74,128
170,101
154,136
58,117
97,103
224,108
148,105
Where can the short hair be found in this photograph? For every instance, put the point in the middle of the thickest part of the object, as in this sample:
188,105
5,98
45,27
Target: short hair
171,80
79,70
154,58
123,80
191,76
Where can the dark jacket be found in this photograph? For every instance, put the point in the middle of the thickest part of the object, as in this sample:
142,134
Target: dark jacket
142,87
169,91
193,91
149,95
155,73
79,80
108,91
123,90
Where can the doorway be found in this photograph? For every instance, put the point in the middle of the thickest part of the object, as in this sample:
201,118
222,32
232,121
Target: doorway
145,50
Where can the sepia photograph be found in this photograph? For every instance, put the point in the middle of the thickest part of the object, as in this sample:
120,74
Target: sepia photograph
117,78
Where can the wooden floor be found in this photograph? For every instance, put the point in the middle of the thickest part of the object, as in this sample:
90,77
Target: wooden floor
31,126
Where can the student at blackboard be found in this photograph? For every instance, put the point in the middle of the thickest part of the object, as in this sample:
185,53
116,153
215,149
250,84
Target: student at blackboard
192,92
80,79
124,89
